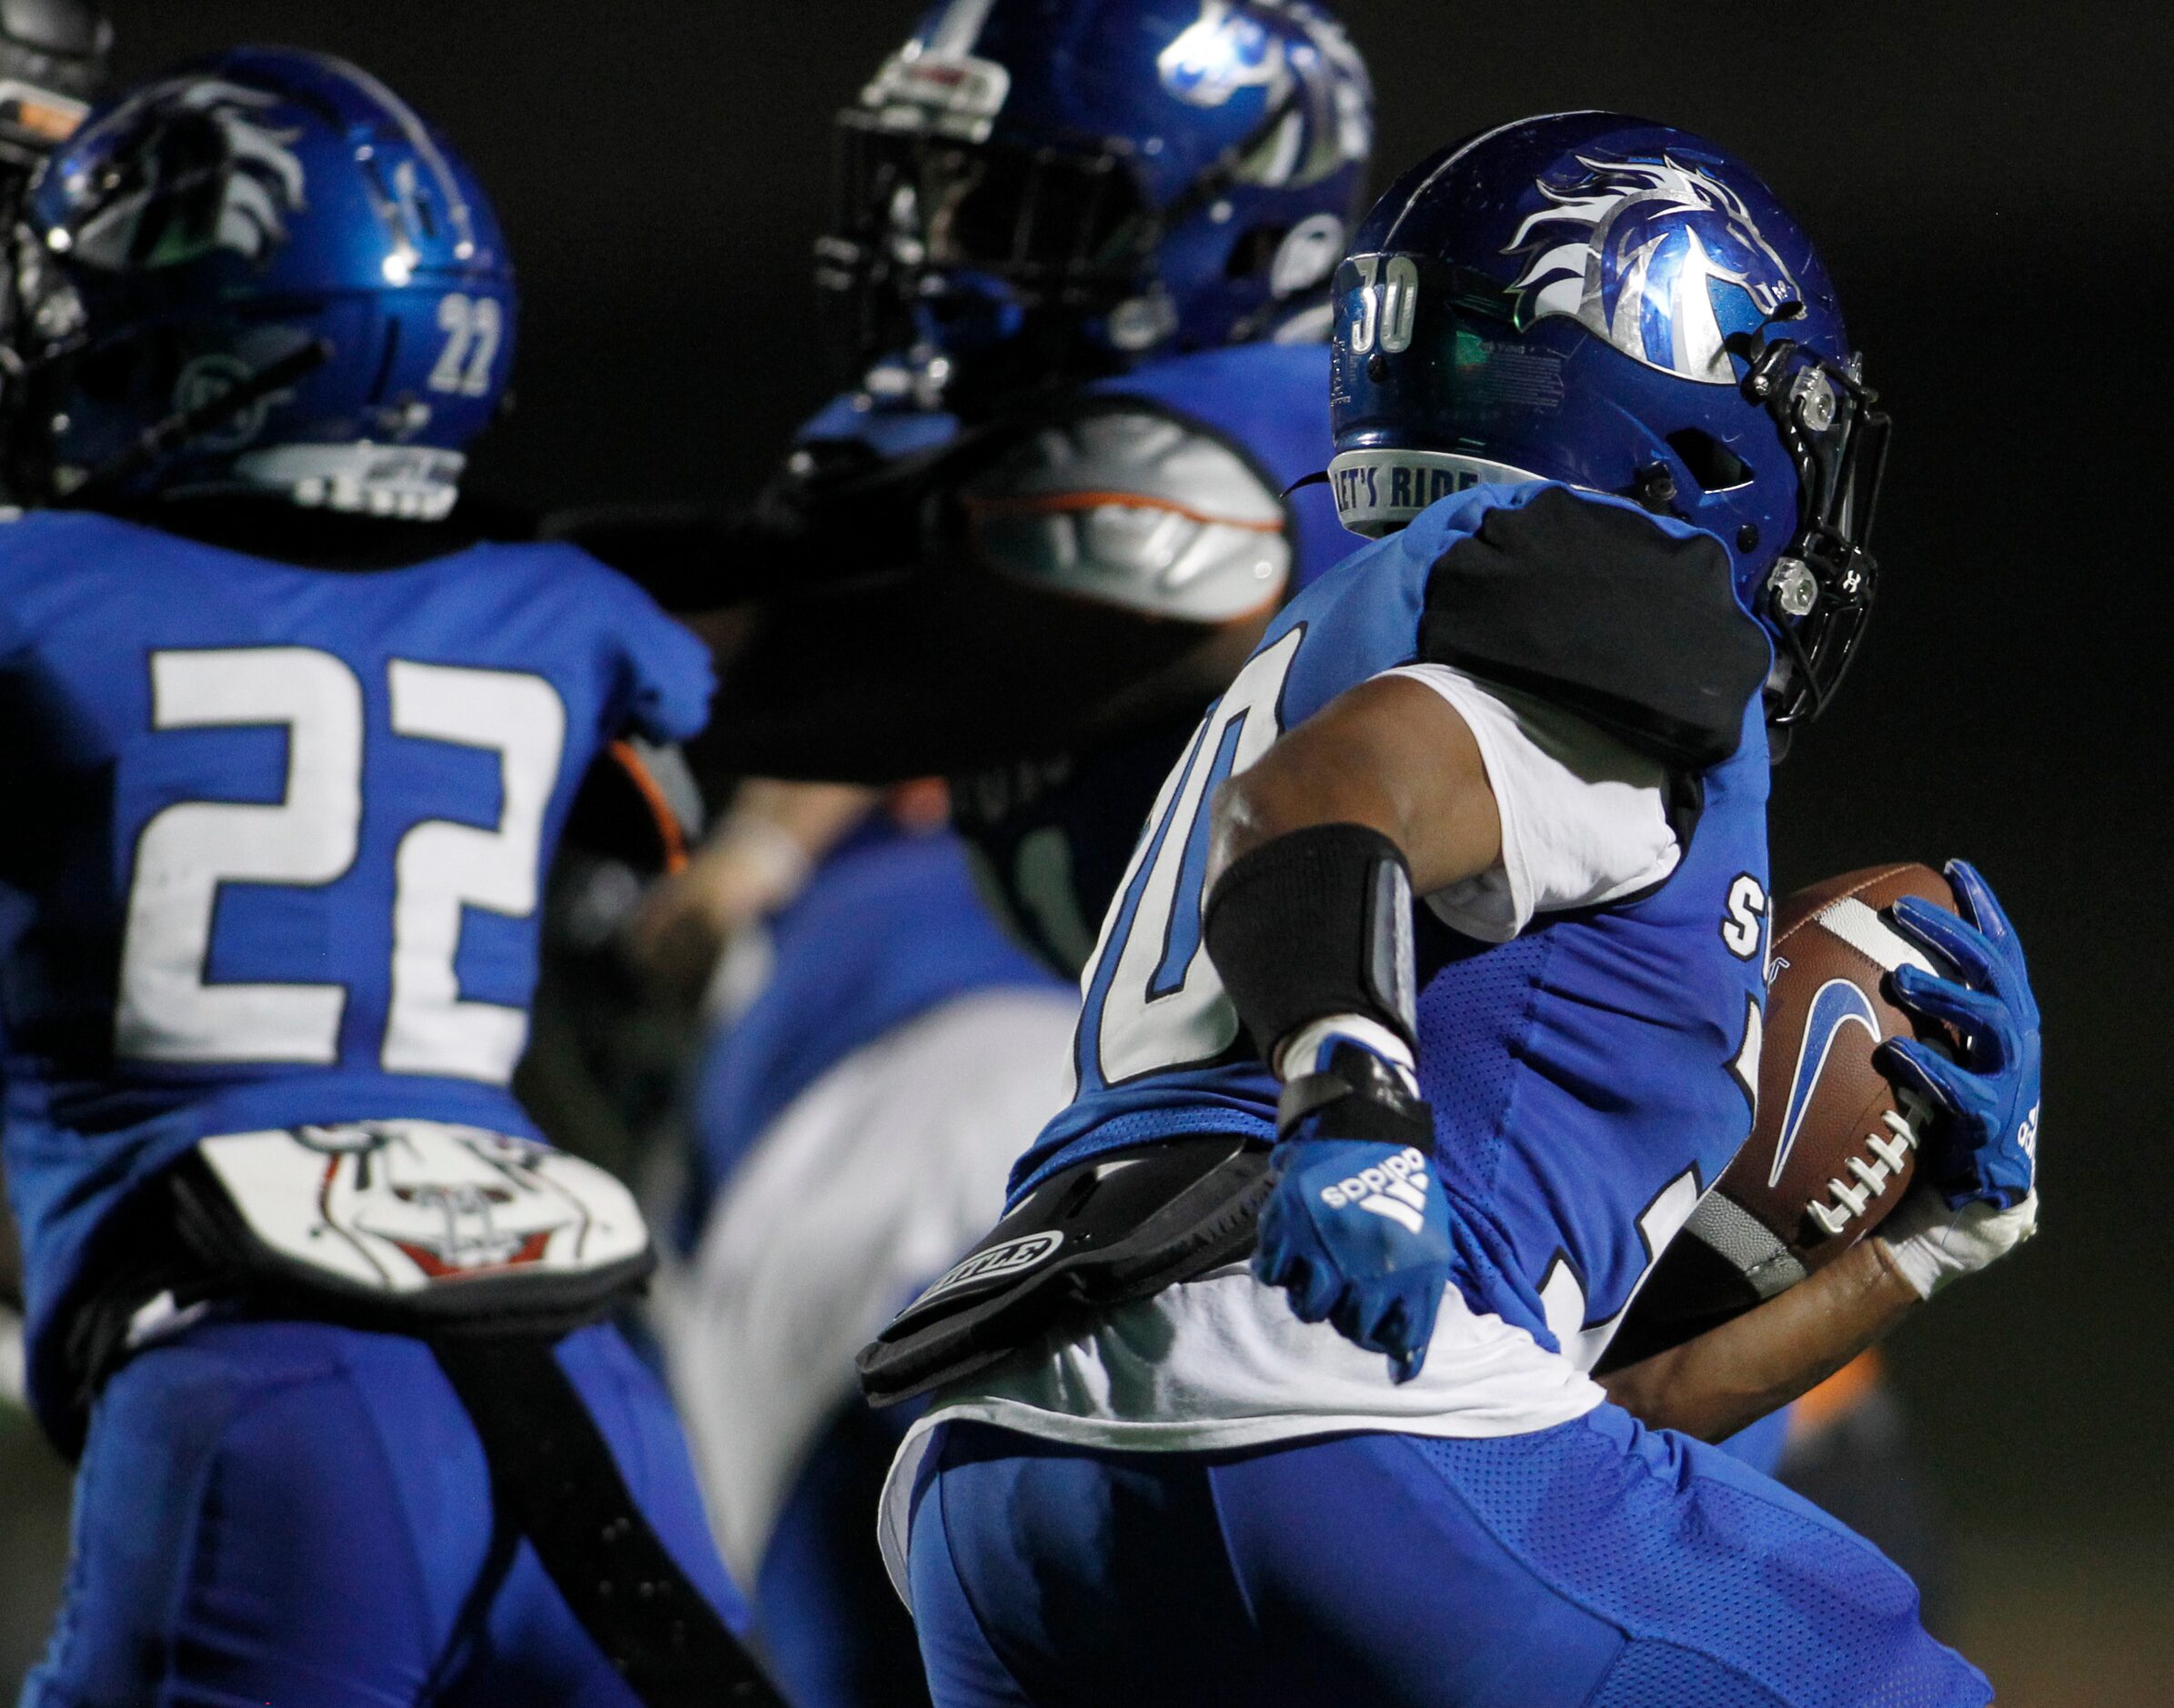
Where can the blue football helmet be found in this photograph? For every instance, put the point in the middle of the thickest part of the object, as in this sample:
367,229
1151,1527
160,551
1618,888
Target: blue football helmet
53,57
1591,298
51,60
1031,193
260,272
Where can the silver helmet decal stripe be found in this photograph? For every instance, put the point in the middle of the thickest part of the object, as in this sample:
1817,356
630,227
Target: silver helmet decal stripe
1649,238
419,139
1419,194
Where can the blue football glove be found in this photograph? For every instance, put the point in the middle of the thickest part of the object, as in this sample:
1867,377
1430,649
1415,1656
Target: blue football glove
1357,1229
1984,1143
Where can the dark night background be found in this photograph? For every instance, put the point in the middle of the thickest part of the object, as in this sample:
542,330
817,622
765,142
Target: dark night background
1991,191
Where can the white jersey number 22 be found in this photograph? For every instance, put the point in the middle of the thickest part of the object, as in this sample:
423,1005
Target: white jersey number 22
167,1011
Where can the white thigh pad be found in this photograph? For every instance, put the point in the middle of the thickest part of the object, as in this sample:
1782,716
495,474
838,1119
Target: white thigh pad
406,1208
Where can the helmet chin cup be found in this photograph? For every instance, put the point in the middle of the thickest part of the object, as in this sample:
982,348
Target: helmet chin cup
964,314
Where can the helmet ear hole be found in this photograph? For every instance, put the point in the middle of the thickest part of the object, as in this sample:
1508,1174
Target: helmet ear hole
1253,255
1708,461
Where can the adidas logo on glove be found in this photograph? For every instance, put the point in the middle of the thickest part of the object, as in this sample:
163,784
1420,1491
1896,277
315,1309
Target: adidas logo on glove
1395,1189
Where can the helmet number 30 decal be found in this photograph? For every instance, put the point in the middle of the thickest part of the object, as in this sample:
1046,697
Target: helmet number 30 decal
474,327
1388,303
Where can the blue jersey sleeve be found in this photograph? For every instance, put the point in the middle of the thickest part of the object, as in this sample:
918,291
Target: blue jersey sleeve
670,678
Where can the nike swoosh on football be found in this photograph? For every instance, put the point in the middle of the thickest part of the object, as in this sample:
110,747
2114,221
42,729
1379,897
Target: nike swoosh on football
1839,1003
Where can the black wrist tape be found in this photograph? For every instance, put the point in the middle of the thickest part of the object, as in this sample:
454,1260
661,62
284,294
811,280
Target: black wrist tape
1356,1096
1316,923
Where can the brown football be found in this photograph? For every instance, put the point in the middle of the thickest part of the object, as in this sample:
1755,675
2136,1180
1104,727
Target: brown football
1831,1149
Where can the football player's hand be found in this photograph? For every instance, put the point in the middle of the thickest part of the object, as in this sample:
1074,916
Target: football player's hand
754,863
1357,1229
1979,1198
1984,1143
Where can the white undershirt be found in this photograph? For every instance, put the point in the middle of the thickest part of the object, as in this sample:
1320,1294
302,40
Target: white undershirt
870,1182
1219,1362
1585,820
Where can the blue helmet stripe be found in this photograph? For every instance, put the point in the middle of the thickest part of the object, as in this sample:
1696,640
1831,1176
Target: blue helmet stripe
1419,194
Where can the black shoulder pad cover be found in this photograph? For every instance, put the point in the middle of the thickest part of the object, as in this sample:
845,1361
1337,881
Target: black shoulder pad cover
1595,610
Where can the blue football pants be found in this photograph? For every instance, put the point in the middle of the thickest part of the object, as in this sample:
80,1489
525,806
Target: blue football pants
292,1512
1598,1565
828,1621
830,1624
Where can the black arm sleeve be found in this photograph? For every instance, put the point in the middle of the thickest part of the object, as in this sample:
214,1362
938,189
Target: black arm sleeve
947,670
833,513
1595,608
943,657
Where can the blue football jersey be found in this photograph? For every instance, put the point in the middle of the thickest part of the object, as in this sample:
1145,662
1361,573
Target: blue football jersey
276,840
1591,1076
890,926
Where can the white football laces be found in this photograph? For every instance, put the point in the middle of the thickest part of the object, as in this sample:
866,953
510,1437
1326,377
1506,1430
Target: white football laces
1890,1156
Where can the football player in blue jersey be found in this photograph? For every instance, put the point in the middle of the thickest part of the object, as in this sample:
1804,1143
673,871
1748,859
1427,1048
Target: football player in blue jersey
877,1046
322,1315
1420,1024
52,61
1079,275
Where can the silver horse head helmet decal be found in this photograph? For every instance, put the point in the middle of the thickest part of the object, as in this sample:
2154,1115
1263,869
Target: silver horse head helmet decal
1634,251
1231,47
1223,51
206,173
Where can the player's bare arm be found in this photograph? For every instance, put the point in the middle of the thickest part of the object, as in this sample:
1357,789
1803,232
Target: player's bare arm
1391,755
1381,793
1728,1378
756,860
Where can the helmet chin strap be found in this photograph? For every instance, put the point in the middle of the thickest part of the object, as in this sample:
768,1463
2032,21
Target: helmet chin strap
173,433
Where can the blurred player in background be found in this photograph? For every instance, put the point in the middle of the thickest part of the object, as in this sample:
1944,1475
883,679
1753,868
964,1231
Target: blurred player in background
879,1047
1593,386
53,57
1078,274
321,1314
